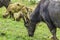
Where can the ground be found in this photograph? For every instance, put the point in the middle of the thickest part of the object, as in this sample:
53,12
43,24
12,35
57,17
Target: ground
12,30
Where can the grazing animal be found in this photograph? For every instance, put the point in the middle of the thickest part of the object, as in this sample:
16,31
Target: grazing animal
4,3
18,16
47,11
24,13
12,8
17,11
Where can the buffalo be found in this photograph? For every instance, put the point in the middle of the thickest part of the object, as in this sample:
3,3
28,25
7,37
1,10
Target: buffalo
4,3
47,11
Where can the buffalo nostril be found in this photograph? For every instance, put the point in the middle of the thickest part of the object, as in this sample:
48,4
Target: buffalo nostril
30,35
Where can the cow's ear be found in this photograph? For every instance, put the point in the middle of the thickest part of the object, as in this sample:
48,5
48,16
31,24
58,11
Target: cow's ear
18,5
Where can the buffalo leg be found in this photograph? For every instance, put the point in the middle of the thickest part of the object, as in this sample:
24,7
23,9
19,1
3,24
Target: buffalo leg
52,29
50,25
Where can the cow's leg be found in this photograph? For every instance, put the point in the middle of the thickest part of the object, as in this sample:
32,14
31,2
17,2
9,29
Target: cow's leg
52,29
11,15
5,15
18,19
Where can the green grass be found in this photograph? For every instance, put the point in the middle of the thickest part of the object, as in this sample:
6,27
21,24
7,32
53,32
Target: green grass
12,30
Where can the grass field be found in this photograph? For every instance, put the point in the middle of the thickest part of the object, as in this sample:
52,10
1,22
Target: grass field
12,30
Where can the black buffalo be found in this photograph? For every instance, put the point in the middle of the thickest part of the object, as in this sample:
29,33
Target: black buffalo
47,11
4,3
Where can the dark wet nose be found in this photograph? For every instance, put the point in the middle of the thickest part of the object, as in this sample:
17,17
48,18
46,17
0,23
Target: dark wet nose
31,35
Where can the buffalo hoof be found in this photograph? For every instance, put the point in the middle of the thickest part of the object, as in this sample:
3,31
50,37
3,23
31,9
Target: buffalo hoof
52,38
